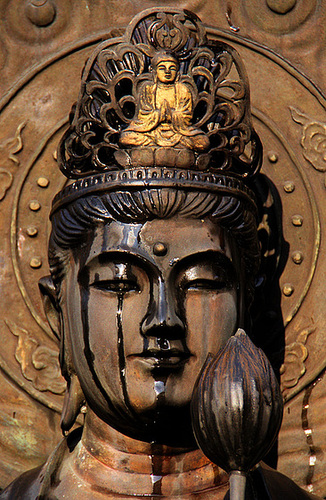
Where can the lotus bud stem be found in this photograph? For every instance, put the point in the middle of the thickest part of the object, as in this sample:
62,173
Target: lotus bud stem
237,409
237,485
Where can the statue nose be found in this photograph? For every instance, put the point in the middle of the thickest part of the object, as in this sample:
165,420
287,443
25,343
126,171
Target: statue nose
162,320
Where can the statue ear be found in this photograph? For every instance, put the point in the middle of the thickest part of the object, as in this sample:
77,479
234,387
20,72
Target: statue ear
73,403
50,304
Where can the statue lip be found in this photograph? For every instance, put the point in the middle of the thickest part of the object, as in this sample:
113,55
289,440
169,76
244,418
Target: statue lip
163,357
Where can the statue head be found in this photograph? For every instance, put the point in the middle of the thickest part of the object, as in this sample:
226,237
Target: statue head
152,268
148,282
166,67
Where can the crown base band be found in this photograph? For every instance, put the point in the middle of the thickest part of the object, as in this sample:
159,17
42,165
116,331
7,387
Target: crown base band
153,178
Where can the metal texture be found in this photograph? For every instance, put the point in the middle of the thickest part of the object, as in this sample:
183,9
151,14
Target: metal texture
134,111
135,325
237,406
237,486
43,47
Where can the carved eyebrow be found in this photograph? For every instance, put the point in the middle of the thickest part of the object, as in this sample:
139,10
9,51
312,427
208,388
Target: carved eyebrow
172,65
112,258
213,256
117,257
121,256
217,261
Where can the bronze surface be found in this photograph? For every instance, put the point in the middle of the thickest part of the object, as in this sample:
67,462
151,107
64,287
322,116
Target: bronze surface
43,48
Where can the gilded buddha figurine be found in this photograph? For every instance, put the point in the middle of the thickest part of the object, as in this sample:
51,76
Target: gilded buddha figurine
165,111
152,274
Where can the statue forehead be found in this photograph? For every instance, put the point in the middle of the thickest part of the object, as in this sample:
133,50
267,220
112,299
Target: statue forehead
166,60
160,239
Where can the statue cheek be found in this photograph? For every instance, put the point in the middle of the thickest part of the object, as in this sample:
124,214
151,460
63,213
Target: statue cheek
140,388
211,320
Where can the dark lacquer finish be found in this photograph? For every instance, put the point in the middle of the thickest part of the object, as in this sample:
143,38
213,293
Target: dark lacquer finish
237,406
153,256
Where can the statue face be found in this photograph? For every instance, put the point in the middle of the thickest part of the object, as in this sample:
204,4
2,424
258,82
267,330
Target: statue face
144,306
166,71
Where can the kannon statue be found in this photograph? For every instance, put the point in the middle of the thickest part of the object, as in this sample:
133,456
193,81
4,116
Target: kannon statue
165,111
153,254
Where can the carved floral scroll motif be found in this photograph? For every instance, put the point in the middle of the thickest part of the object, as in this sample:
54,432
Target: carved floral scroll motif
38,363
313,140
5,182
295,356
9,148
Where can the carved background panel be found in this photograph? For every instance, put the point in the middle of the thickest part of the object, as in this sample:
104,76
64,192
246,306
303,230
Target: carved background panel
43,46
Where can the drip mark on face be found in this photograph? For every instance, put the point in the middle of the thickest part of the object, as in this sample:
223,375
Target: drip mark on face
159,387
164,344
121,353
89,355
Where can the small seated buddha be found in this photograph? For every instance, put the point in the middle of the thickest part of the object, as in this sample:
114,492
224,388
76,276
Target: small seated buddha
165,110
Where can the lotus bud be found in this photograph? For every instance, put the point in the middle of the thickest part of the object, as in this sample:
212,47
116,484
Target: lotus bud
237,407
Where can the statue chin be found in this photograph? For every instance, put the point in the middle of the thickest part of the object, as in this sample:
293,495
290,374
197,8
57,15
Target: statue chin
166,426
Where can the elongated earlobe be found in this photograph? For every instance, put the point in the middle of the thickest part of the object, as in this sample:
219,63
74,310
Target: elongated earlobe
74,400
50,304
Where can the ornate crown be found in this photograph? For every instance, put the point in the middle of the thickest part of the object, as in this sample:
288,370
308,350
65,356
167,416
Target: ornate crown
159,104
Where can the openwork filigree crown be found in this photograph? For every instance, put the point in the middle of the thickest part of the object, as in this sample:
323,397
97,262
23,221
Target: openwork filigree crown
161,97
211,101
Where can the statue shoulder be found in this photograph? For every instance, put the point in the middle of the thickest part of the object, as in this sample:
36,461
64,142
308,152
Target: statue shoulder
147,89
38,482
27,486
277,484
183,89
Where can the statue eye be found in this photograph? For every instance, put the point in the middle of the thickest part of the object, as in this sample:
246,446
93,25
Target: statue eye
207,284
117,285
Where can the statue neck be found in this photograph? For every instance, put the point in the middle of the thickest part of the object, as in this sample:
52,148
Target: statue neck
126,466
162,85
101,439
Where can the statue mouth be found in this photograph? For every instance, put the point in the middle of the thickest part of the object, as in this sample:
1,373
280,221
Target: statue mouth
163,358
